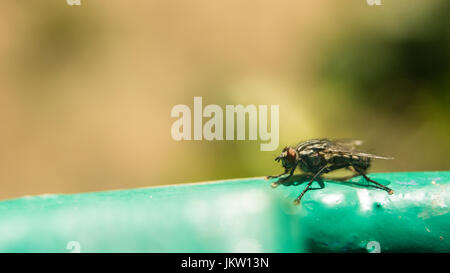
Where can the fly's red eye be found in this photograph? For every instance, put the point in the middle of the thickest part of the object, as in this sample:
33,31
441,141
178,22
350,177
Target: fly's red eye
291,154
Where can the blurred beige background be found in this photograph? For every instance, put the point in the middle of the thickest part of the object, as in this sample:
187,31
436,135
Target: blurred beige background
86,91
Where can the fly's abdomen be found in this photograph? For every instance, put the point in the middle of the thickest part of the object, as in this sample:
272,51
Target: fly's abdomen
363,163
349,160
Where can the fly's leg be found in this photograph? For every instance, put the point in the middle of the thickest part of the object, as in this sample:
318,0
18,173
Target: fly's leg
277,183
287,177
276,176
390,191
322,170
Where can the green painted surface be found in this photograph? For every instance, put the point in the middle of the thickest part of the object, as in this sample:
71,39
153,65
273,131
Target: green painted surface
238,216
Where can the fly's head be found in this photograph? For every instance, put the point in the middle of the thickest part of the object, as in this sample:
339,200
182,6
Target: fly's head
288,158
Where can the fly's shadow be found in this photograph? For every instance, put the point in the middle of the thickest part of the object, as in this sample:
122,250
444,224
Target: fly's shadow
299,179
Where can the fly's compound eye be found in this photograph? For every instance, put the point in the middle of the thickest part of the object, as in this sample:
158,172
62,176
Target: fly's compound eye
291,154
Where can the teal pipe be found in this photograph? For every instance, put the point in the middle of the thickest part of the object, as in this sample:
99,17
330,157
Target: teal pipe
242,215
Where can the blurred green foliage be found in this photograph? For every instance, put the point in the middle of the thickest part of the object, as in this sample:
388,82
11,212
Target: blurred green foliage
395,72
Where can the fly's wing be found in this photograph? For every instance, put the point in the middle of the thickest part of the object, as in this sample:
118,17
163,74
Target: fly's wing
350,144
325,144
348,147
362,154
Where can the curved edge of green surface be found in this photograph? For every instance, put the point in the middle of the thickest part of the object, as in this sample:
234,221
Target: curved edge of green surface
239,215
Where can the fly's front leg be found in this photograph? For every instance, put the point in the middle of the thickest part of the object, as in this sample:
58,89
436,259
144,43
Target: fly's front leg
277,183
281,180
276,176
287,177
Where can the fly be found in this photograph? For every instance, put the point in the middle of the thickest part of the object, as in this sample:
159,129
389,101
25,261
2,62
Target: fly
320,156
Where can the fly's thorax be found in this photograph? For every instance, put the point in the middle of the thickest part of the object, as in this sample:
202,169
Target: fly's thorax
304,153
312,161
303,165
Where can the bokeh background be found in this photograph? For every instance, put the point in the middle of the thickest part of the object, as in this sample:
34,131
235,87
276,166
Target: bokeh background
86,91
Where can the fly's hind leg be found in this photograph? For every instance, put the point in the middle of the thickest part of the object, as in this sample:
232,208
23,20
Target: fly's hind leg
389,190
